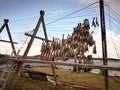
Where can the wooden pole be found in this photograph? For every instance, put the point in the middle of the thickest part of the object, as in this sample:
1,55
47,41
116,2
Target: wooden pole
34,34
44,29
9,34
10,37
104,44
27,49
8,41
46,40
27,34
104,67
3,26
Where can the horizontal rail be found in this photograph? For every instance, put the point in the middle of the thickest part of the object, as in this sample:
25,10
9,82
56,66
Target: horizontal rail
8,41
105,67
37,37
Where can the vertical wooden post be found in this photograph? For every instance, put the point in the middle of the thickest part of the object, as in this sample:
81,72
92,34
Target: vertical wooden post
54,74
10,37
27,49
75,61
46,40
104,44
44,29
9,34
3,25
34,34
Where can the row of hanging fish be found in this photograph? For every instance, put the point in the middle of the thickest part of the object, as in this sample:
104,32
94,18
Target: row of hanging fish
74,45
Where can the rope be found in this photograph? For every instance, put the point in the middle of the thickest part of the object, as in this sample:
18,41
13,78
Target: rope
24,42
111,33
22,46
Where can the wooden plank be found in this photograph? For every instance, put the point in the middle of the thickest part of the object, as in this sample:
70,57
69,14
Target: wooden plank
8,41
27,34
38,72
81,87
109,59
9,34
37,75
10,38
104,67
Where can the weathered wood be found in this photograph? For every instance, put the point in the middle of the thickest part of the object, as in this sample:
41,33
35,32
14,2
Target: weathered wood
42,73
9,34
8,41
27,49
81,87
104,67
104,42
109,59
34,34
37,75
11,40
27,34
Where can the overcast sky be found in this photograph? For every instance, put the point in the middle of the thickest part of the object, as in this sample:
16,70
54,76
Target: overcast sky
23,16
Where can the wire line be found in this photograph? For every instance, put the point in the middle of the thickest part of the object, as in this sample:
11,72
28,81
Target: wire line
71,13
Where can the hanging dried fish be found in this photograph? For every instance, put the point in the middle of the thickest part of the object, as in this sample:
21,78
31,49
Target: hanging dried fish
76,51
86,24
41,55
53,56
94,49
65,57
42,47
90,39
70,52
44,56
63,39
93,22
68,39
79,25
97,22
85,47
57,43
74,45
49,57
57,53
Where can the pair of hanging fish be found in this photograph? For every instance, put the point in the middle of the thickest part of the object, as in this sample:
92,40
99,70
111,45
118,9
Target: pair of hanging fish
95,22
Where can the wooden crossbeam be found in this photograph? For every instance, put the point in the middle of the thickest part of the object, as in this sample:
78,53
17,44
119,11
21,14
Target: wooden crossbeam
104,67
8,41
9,34
27,34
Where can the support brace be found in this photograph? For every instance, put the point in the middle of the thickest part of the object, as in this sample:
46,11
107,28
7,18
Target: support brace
9,34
